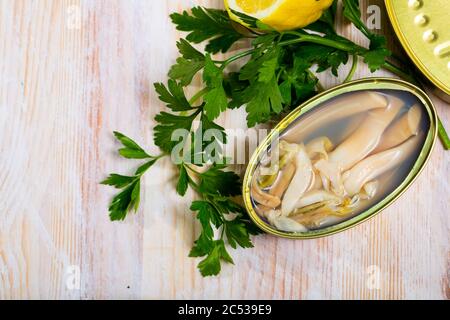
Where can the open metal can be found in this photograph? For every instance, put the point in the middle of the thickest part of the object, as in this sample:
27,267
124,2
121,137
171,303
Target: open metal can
423,30
340,158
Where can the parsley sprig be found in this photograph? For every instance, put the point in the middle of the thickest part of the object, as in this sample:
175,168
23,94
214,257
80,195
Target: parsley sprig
129,198
217,213
279,74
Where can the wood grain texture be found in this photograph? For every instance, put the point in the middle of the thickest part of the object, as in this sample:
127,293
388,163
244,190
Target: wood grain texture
71,72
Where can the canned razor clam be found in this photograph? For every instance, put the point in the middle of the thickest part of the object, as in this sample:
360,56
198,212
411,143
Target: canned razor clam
341,158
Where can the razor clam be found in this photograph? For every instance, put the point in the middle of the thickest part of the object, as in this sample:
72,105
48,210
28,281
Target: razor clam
378,164
301,182
314,216
262,210
283,181
317,181
358,146
343,107
330,174
285,153
264,198
319,147
266,181
370,190
284,223
317,196
366,138
404,128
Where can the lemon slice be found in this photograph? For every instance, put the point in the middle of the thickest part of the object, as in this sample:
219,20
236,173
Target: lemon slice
280,14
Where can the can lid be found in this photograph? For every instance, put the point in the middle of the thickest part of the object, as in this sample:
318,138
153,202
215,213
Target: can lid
422,27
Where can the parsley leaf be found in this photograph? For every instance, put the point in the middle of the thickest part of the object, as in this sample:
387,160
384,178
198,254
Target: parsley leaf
118,181
208,141
125,201
211,265
263,99
188,65
237,234
333,61
129,198
185,70
167,125
376,56
208,24
375,59
252,22
325,57
262,96
216,100
216,181
353,13
297,85
211,214
188,51
210,125
174,96
143,168
202,246
183,181
234,88
269,67
131,149
261,68
208,216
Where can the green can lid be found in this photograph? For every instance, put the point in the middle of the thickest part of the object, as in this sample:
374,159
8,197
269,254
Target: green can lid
422,27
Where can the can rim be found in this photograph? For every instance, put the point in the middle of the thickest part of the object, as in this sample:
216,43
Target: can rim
405,44
375,83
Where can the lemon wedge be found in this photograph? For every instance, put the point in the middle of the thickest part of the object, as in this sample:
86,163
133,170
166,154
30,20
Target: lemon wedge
281,15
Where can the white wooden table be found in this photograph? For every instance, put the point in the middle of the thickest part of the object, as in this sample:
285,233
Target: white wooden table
71,72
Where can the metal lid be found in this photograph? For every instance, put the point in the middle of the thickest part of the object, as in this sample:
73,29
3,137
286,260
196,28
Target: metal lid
423,29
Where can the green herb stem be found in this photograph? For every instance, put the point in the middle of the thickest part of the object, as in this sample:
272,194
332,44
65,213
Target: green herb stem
162,155
353,69
443,135
320,40
396,70
344,47
198,95
236,57
319,85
